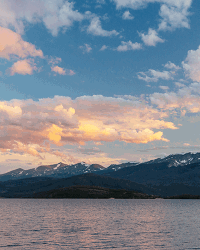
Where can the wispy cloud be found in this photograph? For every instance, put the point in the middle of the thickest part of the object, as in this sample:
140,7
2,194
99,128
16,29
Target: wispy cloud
154,75
85,48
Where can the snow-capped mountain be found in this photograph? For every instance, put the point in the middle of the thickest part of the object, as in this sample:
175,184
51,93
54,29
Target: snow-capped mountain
178,159
178,168
157,171
59,170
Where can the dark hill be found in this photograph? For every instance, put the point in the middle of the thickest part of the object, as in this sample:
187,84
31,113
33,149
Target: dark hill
92,192
28,187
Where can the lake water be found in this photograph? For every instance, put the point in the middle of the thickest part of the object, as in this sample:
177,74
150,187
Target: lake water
99,224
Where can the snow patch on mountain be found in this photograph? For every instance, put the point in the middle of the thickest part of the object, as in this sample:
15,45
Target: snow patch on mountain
57,166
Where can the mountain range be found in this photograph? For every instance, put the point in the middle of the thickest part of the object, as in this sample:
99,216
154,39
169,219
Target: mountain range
173,175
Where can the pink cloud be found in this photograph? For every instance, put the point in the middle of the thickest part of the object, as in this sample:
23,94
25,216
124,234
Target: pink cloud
12,45
58,70
62,71
30,127
23,67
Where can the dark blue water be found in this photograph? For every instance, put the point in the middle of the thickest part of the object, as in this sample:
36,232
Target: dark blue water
99,224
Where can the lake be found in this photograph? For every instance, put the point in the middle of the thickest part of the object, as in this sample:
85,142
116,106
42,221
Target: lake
99,224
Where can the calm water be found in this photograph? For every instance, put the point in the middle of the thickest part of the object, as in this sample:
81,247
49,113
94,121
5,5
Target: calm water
99,224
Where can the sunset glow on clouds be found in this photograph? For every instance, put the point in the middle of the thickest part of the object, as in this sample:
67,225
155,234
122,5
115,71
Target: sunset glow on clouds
63,121
101,82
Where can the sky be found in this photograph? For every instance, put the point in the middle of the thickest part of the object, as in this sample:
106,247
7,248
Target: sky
99,81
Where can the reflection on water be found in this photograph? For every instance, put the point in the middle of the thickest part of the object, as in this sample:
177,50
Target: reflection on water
99,224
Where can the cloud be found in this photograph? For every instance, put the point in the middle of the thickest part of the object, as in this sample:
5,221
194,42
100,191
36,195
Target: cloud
58,70
153,75
164,87
23,67
125,46
127,15
54,14
62,71
152,38
174,17
95,28
32,127
12,45
191,64
171,65
86,48
104,47
174,14
186,100
90,151
179,85
101,1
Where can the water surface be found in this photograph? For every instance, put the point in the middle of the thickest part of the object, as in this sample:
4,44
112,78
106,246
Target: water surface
99,224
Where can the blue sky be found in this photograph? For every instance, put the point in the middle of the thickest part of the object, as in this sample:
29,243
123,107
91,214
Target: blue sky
102,81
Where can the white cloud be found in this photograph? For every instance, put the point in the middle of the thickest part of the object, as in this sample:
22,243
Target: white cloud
191,64
104,47
86,48
127,15
153,75
137,4
55,14
152,38
173,17
101,1
179,85
95,28
173,13
171,65
129,46
164,87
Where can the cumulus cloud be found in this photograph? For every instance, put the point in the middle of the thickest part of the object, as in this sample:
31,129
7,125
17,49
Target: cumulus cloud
154,75
191,64
152,38
127,15
170,65
58,70
23,67
95,28
125,46
174,14
12,45
187,99
54,14
31,127
174,17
